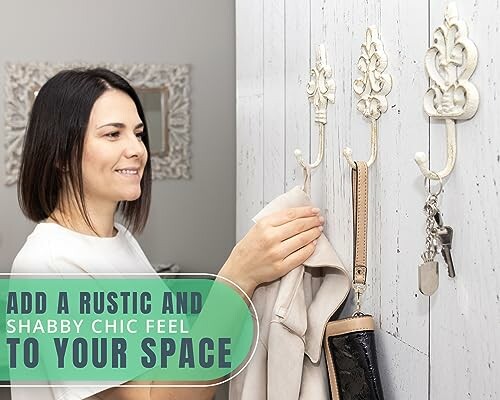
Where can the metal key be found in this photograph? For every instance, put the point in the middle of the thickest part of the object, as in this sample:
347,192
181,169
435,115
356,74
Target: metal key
439,219
445,235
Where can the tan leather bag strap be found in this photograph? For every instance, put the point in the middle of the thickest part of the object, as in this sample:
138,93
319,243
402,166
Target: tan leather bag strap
360,220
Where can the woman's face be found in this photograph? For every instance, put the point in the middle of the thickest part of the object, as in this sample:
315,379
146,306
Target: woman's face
114,155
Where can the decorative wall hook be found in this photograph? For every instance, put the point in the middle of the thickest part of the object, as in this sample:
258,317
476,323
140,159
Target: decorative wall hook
450,62
372,88
320,90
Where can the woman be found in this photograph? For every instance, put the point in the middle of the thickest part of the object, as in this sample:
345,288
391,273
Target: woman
85,157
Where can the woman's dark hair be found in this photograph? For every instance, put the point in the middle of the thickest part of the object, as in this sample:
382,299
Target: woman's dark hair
53,145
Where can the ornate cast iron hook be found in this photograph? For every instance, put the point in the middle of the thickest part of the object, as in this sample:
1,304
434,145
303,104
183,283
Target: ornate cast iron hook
372,88
320,91
449,62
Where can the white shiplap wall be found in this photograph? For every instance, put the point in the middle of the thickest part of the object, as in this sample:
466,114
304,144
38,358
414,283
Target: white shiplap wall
465,313
445,348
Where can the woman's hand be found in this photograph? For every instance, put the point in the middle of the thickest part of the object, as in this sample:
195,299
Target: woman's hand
274,246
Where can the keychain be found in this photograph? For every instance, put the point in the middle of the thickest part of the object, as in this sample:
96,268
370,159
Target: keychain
438,236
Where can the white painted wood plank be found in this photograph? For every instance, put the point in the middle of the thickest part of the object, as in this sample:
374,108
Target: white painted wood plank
249,47
408,383
465,350
399,195
274,99
249,113
297,114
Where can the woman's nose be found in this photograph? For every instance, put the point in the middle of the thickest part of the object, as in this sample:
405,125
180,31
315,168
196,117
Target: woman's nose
134,146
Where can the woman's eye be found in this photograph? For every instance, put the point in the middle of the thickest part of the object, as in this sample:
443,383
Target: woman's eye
139,135
113,134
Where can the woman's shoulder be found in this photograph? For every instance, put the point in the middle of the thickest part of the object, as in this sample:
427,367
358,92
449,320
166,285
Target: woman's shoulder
124,233
35,255
44,246
54,248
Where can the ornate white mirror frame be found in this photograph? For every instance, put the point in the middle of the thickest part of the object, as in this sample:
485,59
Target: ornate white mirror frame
23,79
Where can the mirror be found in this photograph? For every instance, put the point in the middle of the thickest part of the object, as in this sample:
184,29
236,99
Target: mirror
155,104
162,89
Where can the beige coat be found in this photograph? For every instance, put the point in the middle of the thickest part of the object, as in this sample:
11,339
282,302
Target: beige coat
288,363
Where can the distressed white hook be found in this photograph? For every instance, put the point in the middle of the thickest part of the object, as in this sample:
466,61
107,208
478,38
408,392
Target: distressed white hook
374,147
321,151
320,91
372,88
451,96
451,140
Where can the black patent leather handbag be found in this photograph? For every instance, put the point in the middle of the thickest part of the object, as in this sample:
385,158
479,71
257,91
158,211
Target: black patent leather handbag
349,343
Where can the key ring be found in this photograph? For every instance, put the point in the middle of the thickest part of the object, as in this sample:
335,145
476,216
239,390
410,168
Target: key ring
428,187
